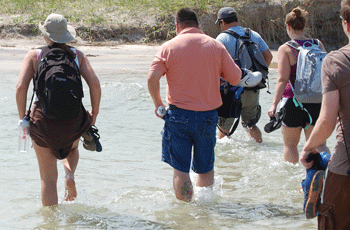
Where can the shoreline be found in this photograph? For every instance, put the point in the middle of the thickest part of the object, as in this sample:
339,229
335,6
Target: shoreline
30,43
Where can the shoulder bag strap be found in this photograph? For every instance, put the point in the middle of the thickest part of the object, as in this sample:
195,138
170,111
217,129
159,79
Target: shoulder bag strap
233,129
299,104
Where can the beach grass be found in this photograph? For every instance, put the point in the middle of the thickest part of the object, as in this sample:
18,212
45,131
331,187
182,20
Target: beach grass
153,17
98,20
95,11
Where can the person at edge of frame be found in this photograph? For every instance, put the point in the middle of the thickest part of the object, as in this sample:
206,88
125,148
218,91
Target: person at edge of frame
333,212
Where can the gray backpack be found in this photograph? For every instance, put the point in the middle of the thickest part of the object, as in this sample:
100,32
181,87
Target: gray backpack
308,87
249,56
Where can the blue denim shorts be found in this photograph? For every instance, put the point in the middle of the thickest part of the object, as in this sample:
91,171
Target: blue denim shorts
184,130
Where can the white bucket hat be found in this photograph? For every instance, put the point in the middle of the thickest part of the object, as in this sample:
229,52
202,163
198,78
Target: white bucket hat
56,29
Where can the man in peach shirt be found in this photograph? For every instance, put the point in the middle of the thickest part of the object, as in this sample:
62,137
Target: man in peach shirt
193,64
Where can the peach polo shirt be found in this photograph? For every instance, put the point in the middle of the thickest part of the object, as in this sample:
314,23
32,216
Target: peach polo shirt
193,63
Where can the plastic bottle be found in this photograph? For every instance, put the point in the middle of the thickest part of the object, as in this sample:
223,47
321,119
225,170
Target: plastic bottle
23,135
161,111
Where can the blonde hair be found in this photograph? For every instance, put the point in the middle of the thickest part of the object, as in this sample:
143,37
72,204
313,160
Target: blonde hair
296,19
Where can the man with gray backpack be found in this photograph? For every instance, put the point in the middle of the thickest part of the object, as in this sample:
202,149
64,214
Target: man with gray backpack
253,56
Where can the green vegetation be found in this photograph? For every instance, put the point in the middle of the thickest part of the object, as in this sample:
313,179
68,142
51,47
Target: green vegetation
153,20
94,11
98,11
106,13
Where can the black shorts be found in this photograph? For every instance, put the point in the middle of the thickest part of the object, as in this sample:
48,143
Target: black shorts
296,117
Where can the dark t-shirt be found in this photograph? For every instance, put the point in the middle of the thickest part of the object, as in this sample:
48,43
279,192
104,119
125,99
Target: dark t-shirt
336,76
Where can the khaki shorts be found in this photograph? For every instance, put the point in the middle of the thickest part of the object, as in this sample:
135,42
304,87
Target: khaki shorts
251,111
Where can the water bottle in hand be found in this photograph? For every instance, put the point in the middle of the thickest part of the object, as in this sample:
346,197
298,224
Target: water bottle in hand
23,135
161,111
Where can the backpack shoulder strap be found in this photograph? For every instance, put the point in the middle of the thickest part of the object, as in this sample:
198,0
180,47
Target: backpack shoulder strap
293,44
233,33
316,43
248,33
44,51
47,49
237,36
76,60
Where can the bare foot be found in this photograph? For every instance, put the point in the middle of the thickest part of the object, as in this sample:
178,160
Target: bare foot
222,135
71,191
254,132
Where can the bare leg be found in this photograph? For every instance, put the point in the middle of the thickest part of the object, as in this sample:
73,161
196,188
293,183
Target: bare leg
70,165
48,174
205,179
291,138
254,132
221,134
182,186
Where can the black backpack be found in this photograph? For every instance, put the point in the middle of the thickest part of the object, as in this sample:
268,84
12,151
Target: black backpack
231,104
248,56
58,85
231,101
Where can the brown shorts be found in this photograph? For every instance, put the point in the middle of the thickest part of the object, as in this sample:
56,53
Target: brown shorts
59,136
334,212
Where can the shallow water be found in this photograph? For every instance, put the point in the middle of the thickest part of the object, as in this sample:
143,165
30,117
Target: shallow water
126,186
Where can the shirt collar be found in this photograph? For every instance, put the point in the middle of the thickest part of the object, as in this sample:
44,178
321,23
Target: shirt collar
191,30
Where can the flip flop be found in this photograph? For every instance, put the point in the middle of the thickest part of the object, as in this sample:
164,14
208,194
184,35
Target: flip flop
275,121
91,139
314,196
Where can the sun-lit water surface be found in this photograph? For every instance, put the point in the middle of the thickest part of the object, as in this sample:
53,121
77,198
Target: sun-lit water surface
126,186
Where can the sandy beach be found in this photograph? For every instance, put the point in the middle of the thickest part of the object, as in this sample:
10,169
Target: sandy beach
99,54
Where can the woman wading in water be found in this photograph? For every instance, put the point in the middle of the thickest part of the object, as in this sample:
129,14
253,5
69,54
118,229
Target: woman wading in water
57,139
